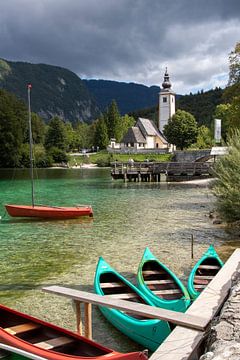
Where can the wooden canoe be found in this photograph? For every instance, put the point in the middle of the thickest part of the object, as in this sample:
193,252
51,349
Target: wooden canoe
51,342
203,272
49,212
161,285
148,332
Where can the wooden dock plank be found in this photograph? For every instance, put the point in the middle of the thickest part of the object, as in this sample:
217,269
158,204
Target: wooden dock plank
182,343
183,319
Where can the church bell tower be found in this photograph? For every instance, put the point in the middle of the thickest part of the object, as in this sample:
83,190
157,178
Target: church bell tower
166,102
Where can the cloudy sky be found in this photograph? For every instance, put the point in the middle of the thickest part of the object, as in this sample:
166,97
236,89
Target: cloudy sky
125,40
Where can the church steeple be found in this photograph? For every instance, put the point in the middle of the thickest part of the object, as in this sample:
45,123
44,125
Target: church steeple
166,102
166,82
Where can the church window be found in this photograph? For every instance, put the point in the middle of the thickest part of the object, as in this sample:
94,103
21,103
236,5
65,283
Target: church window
164,99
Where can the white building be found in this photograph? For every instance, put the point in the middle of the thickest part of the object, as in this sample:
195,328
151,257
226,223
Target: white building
166,103
144,135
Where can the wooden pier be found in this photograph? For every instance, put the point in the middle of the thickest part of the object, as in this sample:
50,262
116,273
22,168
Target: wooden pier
184,342
152,171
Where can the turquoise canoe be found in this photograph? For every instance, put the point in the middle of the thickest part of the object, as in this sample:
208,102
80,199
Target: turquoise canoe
148,332
160,285
203,272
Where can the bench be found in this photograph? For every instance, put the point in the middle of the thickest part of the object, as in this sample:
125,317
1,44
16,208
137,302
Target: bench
200,286
55,342
198,277
156,282
112,285
209,267
200,281
153,272
18,329
123,296
167,292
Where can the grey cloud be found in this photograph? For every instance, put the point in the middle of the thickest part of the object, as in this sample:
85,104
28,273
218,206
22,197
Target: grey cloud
129,40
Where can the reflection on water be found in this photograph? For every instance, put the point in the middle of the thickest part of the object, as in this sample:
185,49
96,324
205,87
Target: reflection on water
127,218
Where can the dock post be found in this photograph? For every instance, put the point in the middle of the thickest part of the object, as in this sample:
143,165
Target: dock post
78,317
192,246
139,177
125,177
88,320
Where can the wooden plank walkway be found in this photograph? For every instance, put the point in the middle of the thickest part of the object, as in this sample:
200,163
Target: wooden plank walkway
182,343
186,320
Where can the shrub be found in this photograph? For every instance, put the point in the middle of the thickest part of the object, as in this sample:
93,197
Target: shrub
227,185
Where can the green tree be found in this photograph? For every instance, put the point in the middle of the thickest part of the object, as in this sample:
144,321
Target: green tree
113,121
13,126
71,138
101,134
181,129
226,187
204,138
38,130
126,122
234,65
56,135
84,135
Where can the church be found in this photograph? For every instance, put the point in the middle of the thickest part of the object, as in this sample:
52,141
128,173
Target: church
145,135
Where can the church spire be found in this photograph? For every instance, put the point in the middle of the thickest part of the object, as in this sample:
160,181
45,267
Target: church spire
166,82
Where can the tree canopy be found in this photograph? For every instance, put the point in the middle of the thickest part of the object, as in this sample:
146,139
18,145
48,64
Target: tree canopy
56,134
181,129
13,127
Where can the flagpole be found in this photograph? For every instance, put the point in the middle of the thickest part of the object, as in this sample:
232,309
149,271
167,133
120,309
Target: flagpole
30,140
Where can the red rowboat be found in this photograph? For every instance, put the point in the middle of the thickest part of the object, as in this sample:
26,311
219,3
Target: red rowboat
41,211
52,342
52,212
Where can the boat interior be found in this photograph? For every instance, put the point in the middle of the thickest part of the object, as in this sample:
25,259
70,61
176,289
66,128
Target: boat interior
114,286
205,273
160,282
46,337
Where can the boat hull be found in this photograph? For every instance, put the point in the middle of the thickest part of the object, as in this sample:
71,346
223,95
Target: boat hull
48,212
202,273
148,332
163,280
51,342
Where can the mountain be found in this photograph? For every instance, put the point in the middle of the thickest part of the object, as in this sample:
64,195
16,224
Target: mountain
129,96
55,91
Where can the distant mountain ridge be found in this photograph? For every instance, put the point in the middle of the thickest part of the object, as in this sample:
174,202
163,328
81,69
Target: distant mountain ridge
129,96
55,91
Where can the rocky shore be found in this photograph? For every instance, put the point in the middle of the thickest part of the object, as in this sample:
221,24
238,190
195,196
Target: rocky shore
224,338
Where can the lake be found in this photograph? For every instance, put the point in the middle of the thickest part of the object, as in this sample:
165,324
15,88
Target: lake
127,218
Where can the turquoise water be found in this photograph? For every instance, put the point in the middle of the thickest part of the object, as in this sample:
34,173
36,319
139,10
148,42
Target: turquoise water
127,218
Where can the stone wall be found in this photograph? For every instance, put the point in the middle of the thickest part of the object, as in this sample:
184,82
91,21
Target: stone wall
191,155
224,338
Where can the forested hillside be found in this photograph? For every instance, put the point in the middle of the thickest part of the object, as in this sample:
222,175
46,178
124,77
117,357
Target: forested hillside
55,91
129,96
201,105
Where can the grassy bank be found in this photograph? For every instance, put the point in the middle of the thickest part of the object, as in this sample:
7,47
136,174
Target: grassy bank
103,158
